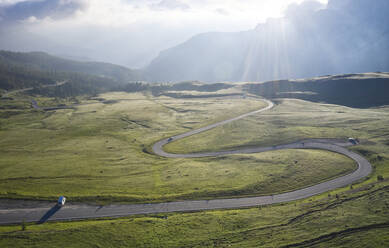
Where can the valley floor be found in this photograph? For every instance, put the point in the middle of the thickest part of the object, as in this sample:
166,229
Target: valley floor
100,152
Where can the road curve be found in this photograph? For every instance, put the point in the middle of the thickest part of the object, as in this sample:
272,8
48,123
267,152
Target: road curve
363,170
73,212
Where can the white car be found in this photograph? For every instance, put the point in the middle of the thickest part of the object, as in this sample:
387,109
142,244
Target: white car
61,200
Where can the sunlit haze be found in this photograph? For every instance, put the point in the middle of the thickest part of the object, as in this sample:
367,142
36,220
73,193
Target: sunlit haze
194,123
127,32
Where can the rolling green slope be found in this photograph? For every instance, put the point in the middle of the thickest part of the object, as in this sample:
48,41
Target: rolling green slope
16,77
45,62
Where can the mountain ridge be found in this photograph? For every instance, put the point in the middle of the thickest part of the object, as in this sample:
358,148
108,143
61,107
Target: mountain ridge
46,62
346,37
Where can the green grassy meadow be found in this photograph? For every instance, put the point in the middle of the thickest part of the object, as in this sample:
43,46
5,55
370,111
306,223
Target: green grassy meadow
101,152
292,120
353,219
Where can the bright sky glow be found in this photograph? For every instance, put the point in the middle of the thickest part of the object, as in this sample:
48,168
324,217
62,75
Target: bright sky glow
224,15
145,26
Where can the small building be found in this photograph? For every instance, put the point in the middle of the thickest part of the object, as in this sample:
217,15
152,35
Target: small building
61,200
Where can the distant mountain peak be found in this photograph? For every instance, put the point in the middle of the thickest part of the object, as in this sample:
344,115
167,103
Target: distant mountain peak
346,37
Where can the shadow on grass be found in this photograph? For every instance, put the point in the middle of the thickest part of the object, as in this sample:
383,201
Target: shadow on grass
49,213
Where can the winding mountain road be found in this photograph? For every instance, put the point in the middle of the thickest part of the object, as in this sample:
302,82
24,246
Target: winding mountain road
77,211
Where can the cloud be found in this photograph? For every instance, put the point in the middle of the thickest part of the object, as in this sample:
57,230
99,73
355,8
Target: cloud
170,5
17,11
10,2
222,11
307,7
128,32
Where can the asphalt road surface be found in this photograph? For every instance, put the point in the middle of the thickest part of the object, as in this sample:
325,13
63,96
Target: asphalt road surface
45,212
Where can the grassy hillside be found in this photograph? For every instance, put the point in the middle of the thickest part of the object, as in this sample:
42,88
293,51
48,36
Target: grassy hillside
291,120
13,77
353,90
36,70
355,218
101,151
44,62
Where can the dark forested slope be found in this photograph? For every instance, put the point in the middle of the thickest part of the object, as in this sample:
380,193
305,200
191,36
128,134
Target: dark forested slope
45,62
354,90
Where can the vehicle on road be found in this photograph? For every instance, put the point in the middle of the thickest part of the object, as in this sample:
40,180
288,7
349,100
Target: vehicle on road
353,141
170,139
61,201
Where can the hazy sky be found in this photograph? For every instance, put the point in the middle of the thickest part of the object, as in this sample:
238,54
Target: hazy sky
128,32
